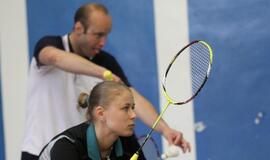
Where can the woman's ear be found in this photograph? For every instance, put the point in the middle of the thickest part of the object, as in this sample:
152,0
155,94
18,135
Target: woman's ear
99,112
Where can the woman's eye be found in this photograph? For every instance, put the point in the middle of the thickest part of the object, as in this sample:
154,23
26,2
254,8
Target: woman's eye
126,108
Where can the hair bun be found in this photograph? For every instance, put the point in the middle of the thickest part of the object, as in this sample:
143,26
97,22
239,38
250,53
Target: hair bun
83,100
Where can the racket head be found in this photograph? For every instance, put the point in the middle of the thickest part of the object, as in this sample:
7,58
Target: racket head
187,72
150,148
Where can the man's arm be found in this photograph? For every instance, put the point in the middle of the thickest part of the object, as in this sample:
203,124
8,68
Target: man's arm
146,112
71,62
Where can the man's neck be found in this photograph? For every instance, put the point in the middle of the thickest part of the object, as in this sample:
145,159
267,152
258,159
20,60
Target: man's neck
72,44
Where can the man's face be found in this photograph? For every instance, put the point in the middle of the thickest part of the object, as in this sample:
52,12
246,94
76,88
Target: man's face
93,39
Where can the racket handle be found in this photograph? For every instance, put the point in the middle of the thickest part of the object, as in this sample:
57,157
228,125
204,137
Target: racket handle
135,156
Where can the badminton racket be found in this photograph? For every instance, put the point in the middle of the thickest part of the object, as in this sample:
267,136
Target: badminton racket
193,65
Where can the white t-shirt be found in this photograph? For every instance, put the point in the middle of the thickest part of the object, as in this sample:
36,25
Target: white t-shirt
52,103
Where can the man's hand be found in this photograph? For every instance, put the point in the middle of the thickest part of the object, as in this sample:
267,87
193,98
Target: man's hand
109,76
176,138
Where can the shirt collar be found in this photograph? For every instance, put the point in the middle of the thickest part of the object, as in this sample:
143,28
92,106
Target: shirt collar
92,145
72,50
69,44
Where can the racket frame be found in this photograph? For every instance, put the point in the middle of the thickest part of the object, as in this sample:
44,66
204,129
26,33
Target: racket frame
169,99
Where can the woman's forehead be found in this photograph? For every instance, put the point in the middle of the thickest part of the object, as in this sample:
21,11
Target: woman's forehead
123,96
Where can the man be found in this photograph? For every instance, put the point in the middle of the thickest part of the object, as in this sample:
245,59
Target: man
61,68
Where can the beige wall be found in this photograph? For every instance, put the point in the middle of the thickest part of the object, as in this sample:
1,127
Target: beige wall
14,62
171,35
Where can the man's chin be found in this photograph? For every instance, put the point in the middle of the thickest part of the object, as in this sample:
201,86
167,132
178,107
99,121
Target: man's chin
92,54
95,52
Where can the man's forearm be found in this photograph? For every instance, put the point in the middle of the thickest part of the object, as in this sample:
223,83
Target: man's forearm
147,113
69,62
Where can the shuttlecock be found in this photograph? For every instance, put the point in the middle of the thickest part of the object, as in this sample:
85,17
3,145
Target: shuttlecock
172,152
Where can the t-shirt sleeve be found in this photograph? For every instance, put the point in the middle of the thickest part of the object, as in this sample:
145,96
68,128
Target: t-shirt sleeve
64,149
116,69
54,41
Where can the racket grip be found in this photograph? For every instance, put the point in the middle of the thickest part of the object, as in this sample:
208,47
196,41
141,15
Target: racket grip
135,156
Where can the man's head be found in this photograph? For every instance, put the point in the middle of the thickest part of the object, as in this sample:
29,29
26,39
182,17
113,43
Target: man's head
92,24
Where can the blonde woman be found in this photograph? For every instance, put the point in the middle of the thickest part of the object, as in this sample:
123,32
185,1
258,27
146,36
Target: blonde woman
108,133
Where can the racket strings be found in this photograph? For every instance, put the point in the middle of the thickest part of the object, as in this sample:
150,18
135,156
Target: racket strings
198,76
198,56
200,59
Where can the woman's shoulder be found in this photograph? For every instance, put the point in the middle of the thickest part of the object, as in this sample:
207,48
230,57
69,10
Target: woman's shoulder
77,132
69,144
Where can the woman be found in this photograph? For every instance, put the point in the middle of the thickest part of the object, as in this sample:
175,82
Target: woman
108,133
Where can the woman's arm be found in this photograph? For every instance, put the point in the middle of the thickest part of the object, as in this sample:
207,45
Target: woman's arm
64,149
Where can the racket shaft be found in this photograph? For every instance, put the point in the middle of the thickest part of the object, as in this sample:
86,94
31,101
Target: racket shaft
136,155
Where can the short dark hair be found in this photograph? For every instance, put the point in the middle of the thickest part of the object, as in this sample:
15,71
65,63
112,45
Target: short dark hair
84,11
